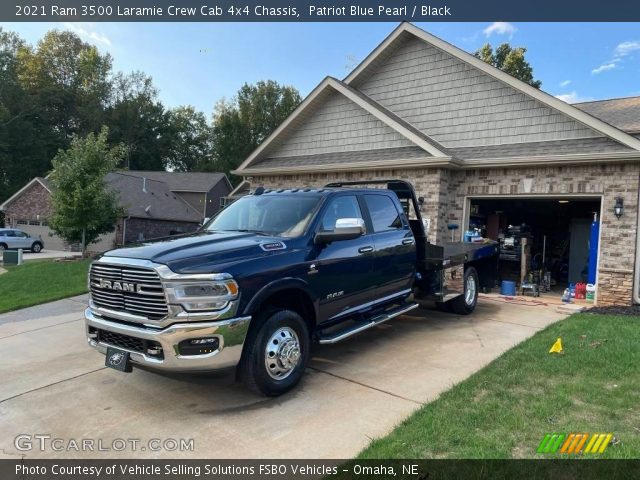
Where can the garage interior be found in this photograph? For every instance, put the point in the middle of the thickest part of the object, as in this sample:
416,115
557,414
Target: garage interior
559,234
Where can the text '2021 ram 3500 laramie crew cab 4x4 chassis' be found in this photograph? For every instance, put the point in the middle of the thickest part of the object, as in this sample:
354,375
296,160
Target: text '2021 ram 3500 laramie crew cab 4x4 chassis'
272,273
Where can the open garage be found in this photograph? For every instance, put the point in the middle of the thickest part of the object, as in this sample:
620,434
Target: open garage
551,241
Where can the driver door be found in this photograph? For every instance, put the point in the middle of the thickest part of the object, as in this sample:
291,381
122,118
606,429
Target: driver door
342,272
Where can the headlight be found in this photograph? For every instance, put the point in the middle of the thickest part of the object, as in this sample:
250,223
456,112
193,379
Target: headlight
202,295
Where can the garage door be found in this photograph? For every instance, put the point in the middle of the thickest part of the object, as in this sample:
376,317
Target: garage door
51,241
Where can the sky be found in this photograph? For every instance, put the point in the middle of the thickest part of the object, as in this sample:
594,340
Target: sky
200,63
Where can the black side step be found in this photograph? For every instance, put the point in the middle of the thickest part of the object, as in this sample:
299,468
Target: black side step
377,320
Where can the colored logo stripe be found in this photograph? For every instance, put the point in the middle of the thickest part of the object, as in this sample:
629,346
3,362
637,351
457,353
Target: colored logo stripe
550,443
598,443
573,443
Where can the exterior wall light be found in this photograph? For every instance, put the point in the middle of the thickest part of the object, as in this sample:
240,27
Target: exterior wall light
618,209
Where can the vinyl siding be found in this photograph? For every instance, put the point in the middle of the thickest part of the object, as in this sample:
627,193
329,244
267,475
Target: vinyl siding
334,125
460,106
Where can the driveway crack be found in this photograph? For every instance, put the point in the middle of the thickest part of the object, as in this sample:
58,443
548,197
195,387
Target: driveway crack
51,384
366,386
40,328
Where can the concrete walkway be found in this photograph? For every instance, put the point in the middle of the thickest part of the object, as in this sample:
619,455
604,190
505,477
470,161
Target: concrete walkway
355,391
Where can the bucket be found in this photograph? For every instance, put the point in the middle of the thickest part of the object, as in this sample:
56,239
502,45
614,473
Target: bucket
508,288
591,292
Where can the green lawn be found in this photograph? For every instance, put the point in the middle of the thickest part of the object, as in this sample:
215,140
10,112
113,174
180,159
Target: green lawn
505,409
41,281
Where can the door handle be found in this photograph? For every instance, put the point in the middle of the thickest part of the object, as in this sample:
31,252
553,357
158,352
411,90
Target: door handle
365,249
408,241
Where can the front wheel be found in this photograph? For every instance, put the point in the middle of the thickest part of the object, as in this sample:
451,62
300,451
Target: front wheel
466,303
36,247
275,353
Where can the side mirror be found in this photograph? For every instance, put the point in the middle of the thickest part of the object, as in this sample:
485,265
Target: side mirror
345,229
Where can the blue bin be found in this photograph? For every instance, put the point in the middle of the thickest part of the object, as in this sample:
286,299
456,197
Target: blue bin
508,288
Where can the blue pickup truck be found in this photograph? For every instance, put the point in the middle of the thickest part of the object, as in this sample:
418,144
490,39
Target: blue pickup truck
273,273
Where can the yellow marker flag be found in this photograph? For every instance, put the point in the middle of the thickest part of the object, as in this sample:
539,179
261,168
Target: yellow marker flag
557,347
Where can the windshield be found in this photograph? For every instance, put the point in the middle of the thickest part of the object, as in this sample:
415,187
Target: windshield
279,215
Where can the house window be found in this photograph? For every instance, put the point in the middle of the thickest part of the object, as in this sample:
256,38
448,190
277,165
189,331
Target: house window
22,222
34,222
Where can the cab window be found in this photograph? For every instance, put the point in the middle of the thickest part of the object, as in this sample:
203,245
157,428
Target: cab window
341,207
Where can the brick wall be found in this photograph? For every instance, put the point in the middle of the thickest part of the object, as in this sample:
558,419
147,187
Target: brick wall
32,204
445,193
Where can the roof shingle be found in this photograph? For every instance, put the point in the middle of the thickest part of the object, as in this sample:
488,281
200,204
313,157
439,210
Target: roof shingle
182,181
622,113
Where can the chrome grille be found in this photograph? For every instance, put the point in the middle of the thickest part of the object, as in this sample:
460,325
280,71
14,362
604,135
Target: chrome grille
145,299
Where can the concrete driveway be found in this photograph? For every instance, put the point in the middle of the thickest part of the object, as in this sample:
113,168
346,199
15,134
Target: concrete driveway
54,384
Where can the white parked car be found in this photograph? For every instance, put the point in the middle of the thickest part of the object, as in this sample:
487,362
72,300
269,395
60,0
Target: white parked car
12,238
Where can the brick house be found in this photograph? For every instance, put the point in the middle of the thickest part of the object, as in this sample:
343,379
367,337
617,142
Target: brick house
481,147
156,204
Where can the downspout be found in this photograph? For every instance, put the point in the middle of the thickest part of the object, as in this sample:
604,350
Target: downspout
636,274
124,229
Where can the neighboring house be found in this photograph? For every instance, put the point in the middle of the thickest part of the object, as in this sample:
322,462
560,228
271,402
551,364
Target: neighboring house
156,204
204,191
481,147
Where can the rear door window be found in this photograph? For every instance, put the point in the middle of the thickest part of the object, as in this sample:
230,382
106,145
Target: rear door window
384,214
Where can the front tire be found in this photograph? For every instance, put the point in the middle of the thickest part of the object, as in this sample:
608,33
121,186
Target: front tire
466,303
36,247
276,353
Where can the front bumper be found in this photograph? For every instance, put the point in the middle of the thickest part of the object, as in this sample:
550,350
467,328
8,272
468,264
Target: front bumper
230,333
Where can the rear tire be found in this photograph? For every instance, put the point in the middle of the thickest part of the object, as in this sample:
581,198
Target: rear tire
275,353
36,247
3,247
466,303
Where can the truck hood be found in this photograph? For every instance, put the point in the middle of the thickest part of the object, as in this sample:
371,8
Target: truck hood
183,253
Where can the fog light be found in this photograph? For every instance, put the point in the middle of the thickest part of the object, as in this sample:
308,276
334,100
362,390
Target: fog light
198,346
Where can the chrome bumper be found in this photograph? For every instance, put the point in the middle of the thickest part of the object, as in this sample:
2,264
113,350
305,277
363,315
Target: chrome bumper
231,334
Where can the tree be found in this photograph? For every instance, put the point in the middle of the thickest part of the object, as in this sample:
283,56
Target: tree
83,205
241,125
189,139
138,119
47,94
510,60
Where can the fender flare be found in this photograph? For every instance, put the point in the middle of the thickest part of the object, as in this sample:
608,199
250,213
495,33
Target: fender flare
275,287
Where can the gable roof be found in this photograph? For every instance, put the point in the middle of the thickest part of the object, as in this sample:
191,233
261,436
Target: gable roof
622,113
405,28
39,180
534,127
184,181
150,199
429,146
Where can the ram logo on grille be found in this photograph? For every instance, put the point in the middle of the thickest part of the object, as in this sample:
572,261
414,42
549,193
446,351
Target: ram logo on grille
120,286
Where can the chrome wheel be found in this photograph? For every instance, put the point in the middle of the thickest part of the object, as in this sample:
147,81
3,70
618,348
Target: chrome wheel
282,353
470,290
